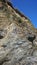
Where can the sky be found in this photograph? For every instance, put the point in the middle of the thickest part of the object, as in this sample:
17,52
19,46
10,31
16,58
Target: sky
28,8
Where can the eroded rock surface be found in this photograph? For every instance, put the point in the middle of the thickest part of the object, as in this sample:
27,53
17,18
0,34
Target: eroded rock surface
18,37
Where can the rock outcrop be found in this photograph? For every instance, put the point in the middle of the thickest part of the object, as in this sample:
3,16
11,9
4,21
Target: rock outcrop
18,37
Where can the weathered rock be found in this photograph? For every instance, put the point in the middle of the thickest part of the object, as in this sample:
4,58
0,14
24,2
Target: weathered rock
16,36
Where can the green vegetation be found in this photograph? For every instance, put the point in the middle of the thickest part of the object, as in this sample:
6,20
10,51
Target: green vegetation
20,21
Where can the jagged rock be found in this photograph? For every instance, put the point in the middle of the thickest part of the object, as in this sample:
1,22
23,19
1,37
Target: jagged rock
15,39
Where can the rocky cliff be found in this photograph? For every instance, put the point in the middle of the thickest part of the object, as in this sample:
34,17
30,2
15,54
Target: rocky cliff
18,37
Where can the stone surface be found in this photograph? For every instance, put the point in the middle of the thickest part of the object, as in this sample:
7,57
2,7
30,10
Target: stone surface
16,34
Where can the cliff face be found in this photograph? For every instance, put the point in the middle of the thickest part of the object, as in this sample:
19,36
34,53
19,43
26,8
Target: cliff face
18,37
